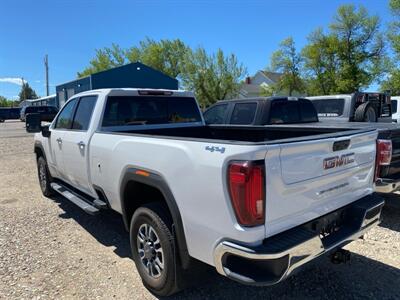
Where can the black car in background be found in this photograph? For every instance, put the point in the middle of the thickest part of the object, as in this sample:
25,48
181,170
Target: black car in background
47,113
9,113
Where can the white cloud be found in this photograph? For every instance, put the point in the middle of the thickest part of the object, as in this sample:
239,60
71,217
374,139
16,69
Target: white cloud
13,80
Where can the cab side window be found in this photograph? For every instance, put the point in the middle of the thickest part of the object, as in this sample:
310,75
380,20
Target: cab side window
64,119
84,112
216,114
244,113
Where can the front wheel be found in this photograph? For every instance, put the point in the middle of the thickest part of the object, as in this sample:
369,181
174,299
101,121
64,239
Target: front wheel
152,244
44,177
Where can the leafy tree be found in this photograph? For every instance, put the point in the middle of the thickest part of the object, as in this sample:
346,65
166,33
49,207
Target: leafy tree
166,56
321,63
288,61
392,82
27,92
212,77
106,58
4,102
359,47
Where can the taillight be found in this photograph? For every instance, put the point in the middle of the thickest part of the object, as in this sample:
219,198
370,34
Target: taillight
246,182
383,155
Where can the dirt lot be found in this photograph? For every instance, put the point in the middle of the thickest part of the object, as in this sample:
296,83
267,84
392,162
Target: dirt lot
51,249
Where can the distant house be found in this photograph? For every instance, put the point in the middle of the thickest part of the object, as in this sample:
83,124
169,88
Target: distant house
253,86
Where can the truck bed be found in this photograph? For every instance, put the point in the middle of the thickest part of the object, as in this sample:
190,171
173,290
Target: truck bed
244,134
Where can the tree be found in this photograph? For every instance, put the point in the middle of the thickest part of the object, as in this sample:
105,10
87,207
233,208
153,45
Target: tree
106,58
27,92
360,48
288,61
212,77
166,56
392,82
321,63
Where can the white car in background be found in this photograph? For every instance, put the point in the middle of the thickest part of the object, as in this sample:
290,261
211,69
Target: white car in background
395,109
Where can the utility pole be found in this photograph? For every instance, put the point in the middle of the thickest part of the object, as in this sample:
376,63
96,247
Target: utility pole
46,66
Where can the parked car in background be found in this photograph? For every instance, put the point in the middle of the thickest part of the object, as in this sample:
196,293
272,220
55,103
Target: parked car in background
47,113
255,202
356,107
261,111
395,109
287,110
9,113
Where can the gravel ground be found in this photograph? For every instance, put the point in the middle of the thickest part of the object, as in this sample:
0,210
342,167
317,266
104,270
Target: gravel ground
51,249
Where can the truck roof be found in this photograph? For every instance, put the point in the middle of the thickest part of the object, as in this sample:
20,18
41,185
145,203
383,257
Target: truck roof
137,92
262,99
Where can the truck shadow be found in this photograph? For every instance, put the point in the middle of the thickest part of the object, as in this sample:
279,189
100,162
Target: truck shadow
391,213
107,227
362,277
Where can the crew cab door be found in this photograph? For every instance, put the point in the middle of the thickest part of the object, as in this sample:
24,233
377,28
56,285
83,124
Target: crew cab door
75,143
56,139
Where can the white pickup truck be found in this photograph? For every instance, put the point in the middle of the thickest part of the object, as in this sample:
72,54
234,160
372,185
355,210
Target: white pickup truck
255,202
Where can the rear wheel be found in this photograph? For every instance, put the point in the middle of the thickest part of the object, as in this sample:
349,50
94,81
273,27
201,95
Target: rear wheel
153,246
44,177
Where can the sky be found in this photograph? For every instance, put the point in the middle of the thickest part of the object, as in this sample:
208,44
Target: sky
69,31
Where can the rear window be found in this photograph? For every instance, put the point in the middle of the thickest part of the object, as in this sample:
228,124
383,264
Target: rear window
289,112
144,110
394,106
329,107
244,113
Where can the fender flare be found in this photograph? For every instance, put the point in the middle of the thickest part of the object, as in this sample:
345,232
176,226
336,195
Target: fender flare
38,145
158,182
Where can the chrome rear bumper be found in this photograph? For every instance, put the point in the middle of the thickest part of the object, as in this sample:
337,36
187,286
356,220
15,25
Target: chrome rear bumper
384,185
280,255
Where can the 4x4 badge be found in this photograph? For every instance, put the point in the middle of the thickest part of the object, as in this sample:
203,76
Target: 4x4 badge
214,148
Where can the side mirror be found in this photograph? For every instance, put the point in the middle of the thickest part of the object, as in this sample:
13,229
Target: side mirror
33,123
45,131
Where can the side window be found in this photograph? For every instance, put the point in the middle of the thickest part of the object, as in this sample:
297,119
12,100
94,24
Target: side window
394,106
284,112
216,114
307,111
244,113
84,113
64,120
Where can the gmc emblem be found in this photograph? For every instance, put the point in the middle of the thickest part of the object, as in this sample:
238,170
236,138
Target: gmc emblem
337,161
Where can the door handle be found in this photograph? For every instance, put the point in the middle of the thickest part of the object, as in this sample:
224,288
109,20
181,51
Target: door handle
59,140
81,145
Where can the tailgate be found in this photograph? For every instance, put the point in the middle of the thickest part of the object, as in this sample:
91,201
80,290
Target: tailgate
313,178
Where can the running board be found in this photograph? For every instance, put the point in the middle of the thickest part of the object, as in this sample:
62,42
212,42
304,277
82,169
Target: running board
80,202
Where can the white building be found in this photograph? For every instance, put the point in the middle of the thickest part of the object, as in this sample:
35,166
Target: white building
254,85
